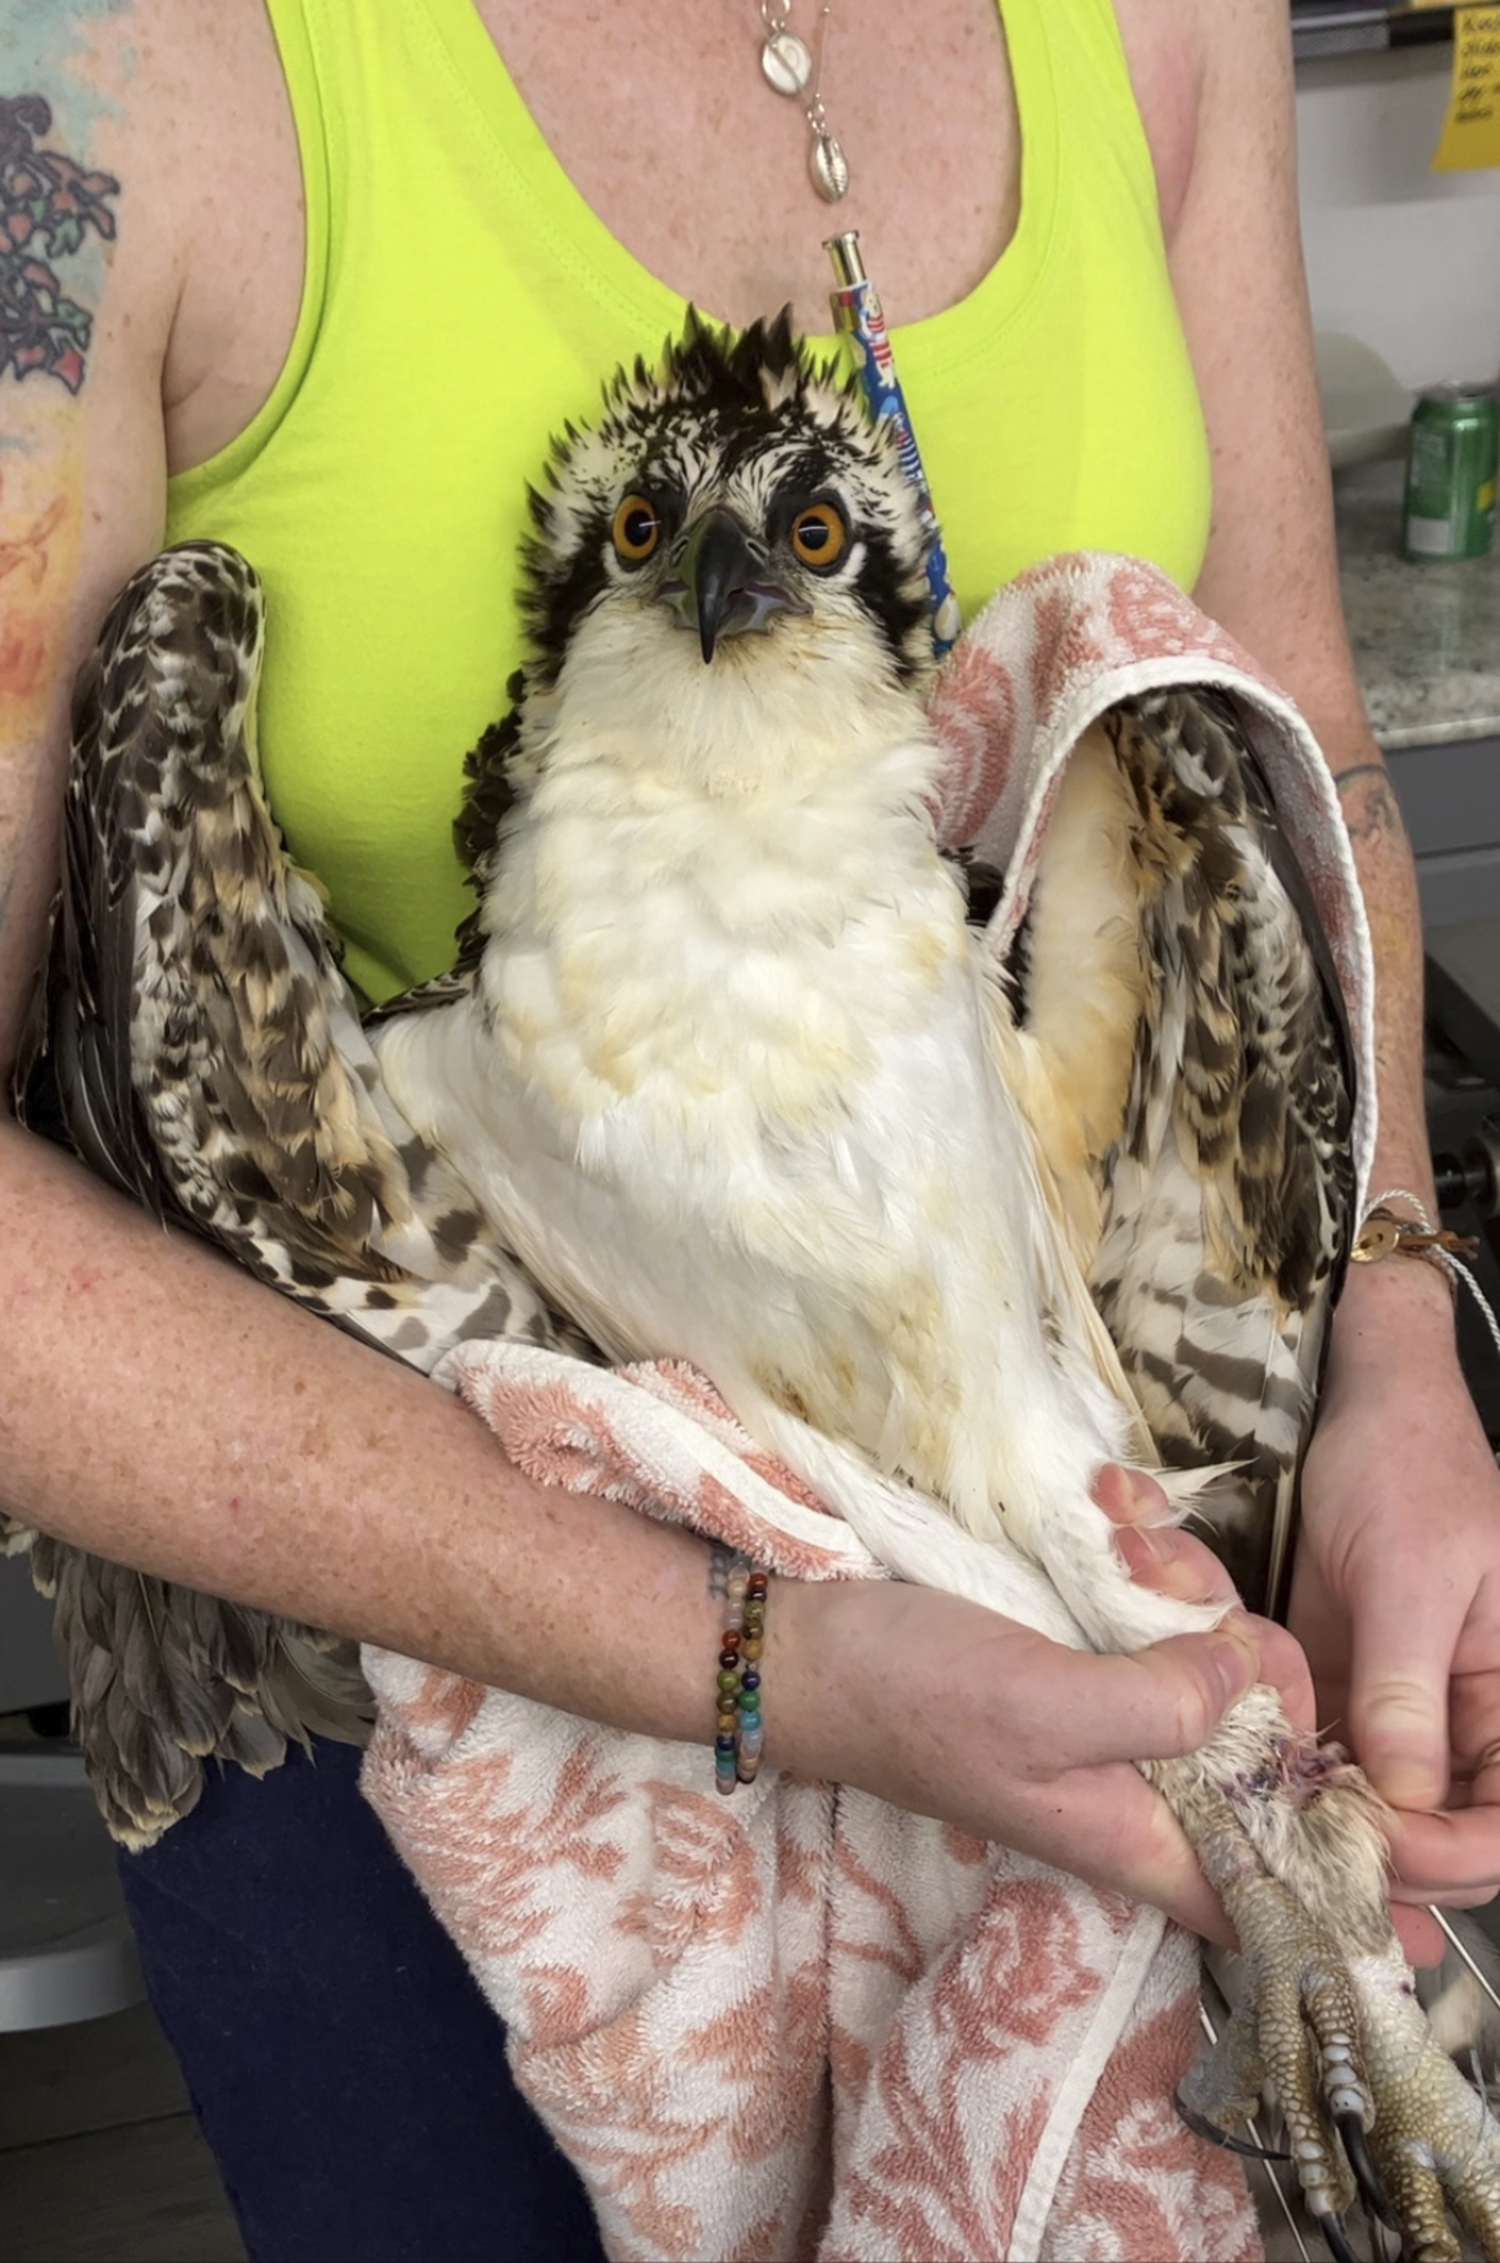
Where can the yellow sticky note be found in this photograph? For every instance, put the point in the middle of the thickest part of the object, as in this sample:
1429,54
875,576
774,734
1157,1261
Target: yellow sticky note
1471,131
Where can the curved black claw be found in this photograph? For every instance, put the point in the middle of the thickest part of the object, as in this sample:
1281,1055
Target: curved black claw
1332,2229
1357,2153
1211,2134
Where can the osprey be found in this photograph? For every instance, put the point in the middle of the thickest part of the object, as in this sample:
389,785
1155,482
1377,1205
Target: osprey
723,1071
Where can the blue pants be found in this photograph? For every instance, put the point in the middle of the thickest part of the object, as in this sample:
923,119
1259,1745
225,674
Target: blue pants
347,2073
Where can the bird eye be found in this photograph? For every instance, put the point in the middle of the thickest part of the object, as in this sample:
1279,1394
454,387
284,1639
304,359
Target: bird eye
819,535
636,530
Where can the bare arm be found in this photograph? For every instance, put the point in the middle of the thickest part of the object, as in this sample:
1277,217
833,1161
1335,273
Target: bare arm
1400,1487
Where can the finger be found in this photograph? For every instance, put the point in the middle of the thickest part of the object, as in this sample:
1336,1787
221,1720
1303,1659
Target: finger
1321,1626
1154,1704
1446,1853
1173,1563
1283,1664
1474,1726
1421,1937
1108,1827
1130,1496
1483,1780
1404,1637
1153,1549
1432,1897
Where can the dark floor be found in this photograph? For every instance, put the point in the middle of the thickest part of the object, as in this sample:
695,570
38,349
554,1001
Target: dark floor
100,2160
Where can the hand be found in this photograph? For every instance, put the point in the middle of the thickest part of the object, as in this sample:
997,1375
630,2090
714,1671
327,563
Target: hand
947,1709
1397,1589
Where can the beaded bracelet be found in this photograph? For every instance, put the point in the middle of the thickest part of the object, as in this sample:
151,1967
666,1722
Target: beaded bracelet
737,1743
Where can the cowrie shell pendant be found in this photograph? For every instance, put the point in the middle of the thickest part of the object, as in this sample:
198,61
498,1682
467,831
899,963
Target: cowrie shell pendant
828,166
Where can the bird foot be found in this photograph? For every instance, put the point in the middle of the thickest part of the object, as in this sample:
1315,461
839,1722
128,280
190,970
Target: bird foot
1380,2112
1433,2140
1294,2039
1328,2028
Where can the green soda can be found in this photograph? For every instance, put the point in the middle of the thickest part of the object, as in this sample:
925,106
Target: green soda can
1450,473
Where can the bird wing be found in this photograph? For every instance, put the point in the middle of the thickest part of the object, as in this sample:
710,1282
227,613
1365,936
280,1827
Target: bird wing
1179,991
194,1041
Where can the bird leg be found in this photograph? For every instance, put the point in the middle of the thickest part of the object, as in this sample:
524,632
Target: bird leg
1329,2027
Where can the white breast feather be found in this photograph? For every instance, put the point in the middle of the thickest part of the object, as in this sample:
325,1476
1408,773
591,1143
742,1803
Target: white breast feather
730,1086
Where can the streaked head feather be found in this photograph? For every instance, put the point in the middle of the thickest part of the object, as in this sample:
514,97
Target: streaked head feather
749,422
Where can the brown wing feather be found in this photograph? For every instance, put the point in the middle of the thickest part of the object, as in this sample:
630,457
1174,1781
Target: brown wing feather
1225,1171
194,1042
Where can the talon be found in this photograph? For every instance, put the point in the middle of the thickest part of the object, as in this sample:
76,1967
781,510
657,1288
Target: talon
1210,2132
1357,2153
1325,2022
1335,2239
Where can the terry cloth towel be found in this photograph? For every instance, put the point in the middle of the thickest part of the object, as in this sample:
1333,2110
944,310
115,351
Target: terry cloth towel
798,2022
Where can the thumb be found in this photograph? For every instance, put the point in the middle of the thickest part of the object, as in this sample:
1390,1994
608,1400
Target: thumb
1403,1644
1160,1703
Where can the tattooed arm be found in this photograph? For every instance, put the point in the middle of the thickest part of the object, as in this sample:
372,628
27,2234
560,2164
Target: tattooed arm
81,477
1398,1587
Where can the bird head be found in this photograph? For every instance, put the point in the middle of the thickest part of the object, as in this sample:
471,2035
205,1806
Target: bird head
733,511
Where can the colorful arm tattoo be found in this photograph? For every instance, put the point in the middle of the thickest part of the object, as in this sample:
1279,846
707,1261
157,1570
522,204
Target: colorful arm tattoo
48,203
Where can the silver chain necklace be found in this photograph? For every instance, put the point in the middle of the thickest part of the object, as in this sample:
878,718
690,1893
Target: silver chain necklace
788,67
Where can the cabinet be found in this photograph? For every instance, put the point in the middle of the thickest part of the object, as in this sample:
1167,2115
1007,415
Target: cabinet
1450,803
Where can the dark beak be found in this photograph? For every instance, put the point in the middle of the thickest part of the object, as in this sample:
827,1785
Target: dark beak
723,585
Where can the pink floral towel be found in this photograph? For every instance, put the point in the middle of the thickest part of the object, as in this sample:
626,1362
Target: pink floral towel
800,2023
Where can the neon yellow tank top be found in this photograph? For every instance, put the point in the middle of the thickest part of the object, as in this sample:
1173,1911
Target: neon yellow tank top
461,300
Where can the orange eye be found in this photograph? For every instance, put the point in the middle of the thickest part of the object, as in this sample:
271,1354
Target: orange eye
636,530
819,535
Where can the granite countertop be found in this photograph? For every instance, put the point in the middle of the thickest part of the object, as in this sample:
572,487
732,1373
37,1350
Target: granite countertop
1426,637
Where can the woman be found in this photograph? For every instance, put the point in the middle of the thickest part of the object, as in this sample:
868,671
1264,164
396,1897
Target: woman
1085,220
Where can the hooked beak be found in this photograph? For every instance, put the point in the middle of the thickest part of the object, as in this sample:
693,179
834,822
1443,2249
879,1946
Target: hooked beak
722,585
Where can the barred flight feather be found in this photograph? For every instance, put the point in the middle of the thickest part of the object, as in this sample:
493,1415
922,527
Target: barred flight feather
195,1042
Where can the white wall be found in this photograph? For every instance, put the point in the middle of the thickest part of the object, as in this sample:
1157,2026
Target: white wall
1406,259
